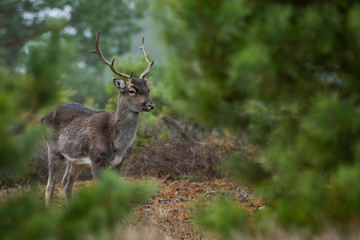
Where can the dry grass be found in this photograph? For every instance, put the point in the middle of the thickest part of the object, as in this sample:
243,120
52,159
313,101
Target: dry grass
170,211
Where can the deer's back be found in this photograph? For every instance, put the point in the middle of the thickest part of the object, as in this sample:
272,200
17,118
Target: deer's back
79,130
64,114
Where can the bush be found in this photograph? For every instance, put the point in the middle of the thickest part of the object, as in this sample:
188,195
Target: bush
93,211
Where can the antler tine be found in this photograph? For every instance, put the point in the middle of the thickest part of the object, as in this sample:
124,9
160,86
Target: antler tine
111,65
150,64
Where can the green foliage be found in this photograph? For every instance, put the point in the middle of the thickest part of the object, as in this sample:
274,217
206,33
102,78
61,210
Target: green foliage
263,52
245,169
22,96
26,217
200,43
93,211
287,74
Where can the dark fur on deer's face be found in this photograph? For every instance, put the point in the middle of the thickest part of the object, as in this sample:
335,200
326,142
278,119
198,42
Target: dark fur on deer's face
136,94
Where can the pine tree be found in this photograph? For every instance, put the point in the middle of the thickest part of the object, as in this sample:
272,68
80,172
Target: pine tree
286,73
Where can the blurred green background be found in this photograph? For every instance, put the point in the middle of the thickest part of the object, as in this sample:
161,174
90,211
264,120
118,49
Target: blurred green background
285,73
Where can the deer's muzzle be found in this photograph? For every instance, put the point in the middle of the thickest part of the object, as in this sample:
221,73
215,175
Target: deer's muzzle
149,106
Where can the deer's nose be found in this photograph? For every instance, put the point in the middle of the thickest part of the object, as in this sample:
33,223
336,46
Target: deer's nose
151,105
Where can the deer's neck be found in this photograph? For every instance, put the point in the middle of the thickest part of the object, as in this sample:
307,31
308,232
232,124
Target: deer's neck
124,117
126,123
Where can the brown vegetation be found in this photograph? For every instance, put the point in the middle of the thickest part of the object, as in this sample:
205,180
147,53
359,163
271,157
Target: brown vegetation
170,211
184,152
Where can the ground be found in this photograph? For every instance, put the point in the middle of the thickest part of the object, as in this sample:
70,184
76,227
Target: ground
168,214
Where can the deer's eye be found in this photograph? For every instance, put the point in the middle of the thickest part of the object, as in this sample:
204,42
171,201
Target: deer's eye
132,92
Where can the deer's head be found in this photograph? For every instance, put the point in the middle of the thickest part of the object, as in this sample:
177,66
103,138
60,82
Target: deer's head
135,91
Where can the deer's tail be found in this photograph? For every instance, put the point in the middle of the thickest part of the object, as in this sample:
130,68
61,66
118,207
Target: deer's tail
48,118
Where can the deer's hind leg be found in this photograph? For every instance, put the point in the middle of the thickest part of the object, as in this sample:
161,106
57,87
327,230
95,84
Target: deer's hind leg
56,163
72,173
65,177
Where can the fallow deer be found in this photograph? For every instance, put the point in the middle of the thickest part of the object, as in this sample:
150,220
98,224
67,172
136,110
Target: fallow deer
84,137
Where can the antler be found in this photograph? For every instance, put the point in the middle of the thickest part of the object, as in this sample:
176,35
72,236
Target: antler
111,65
150,64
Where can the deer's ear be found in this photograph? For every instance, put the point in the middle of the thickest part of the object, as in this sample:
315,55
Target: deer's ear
147,80
119,84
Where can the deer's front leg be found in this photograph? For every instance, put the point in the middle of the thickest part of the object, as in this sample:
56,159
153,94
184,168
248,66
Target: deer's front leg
99,160
125,156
